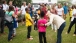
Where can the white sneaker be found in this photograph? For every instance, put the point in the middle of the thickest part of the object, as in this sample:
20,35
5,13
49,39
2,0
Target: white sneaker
74,34
30,38
66,33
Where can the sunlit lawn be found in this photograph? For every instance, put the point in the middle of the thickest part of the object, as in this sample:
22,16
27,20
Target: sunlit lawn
50,34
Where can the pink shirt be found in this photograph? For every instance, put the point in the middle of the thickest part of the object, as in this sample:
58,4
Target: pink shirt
42,28
16,11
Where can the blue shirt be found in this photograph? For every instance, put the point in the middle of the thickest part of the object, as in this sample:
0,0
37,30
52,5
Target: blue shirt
31,11
65,9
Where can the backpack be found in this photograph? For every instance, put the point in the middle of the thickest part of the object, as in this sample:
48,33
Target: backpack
8,18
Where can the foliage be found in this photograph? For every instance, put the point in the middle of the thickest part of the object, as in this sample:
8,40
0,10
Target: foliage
62,2
18,2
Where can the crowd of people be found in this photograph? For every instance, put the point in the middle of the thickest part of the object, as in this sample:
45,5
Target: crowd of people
55,17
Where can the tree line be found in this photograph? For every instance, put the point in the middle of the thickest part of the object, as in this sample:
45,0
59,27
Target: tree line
17,2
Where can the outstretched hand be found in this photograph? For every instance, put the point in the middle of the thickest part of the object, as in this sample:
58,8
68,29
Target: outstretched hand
41,24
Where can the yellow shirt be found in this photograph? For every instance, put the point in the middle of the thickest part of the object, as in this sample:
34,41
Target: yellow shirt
70,13
27,18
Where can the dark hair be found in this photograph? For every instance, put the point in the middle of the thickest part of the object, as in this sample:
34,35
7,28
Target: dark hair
26,9
11,8
42,14
4,1
73,6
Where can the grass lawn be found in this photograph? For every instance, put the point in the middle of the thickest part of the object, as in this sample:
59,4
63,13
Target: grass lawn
50,34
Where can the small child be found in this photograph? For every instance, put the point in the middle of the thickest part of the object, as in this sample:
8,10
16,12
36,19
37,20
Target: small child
42,29
70,12
35,21
36,17
29,22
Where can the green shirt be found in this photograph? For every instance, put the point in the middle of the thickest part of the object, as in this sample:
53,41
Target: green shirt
9,13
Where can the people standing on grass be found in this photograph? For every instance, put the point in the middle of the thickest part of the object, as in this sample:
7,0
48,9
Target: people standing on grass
10,23
53,11
5,6
70,10
42,29
60,10
14,19
23,7
29,22
45,10
31,9
59,22
2,15
73,21
65,7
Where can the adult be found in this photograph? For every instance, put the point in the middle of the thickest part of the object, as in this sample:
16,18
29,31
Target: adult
73,21
5,6
11,3
59,22
65,7
31,9
14,19
10,25
44,9
60,10
2,14
23,12
53,11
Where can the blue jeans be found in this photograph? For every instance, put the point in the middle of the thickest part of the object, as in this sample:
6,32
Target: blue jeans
59,32
10,27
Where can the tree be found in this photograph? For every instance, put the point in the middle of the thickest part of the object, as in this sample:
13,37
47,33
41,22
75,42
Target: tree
18,2
27,1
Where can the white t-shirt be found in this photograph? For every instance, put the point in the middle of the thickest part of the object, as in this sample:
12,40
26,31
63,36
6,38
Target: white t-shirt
74,12
59,11
5,7
23,9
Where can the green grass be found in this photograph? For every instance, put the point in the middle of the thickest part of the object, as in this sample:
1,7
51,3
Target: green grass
50,34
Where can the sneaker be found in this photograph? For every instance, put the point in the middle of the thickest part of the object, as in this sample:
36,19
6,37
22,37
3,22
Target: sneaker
74,34
55,31
10,40
30,38
66,33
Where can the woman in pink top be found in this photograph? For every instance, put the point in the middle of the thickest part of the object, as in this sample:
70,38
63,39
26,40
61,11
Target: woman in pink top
42,29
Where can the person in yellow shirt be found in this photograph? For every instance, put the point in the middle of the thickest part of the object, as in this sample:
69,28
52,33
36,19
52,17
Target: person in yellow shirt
70,12
29,22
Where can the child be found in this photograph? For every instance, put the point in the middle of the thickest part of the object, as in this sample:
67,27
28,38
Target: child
70,12
15,20
42,29
36,17
29,22
35,21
